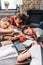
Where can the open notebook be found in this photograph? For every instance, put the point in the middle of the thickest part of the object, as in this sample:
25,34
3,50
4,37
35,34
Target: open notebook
28,43
7,51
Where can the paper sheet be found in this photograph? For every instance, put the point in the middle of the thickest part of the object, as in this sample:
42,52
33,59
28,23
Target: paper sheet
7,51
28,42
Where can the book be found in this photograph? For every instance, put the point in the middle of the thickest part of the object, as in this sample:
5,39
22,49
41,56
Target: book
7,51
28,42
6,42
20,47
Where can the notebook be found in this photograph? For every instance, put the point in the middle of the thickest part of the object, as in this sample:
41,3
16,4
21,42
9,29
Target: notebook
20,47
7,51
28,42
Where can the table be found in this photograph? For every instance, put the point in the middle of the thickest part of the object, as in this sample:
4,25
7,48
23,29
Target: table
12,61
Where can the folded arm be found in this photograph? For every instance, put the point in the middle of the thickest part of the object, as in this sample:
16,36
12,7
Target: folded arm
6,30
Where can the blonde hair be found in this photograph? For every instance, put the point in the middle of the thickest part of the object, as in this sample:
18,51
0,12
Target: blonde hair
5,19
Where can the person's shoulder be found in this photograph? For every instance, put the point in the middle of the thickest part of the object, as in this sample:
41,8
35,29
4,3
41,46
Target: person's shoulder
38,29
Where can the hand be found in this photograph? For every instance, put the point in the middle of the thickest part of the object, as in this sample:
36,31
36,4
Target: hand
28,37
21,35
23,52
12,38
17,24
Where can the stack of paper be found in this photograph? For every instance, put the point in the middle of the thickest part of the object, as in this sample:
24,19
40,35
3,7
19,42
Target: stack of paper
7,52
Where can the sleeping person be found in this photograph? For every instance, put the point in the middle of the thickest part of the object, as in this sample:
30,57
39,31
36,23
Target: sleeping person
6,30
5,26
31,32
18,20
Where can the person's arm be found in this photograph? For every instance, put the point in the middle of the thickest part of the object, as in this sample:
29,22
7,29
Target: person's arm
6,30
24,56
28,37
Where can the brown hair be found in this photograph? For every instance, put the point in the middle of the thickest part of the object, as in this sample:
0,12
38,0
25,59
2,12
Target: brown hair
5,20
24,28
21,16
39,39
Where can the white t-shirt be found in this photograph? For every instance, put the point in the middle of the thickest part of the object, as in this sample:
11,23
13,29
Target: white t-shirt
39,32
36,55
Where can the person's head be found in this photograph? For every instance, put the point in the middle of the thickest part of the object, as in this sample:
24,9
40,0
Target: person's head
40,40
20,17
27,30
4,23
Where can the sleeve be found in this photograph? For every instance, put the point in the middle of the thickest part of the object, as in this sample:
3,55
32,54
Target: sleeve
11,19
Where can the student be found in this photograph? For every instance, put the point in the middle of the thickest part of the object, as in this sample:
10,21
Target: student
5,26
29,32
34,52
5,29
18,20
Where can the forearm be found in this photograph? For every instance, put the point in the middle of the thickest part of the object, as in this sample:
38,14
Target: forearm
5,30
24,56
28,37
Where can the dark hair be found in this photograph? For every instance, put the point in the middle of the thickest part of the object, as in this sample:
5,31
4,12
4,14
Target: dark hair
22,17
39,39
24,28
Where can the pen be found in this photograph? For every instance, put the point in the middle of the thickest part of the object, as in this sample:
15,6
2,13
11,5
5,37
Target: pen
23,52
